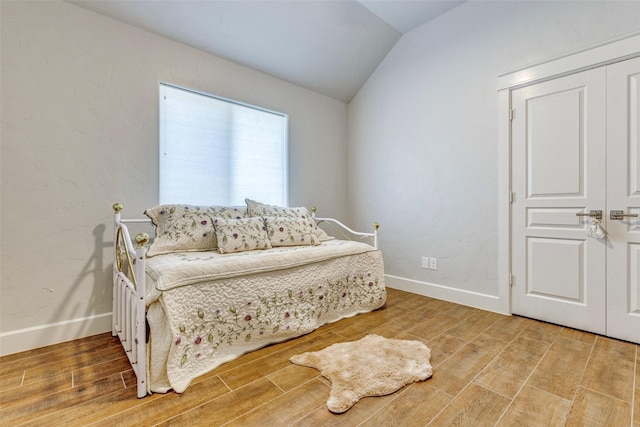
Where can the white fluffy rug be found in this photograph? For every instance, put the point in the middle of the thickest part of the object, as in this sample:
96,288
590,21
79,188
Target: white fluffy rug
372,366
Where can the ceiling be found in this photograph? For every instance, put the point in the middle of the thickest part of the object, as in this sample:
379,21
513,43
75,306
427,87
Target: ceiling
328,46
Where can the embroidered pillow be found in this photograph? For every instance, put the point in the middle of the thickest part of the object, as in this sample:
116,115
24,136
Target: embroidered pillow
266,211
238,235
284,231
187,227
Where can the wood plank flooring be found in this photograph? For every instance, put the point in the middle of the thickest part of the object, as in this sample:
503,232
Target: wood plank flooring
488,370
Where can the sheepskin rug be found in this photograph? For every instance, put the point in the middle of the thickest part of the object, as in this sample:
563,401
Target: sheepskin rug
371,366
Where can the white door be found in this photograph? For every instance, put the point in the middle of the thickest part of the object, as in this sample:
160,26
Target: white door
558,171
576,148
623,193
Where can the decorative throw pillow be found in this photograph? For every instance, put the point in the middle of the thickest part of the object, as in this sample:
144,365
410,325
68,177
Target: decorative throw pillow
238,235
283,231
263,210
187,227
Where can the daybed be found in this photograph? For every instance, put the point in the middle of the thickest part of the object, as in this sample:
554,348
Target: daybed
218,282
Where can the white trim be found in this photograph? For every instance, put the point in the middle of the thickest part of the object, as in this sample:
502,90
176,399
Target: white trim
598,56
458,296
53,333
504,204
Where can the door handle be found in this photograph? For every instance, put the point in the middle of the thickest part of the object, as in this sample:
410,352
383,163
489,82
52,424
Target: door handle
621,215
591,214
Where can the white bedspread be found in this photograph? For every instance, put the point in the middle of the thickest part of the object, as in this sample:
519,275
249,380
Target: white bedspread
165,272
241,302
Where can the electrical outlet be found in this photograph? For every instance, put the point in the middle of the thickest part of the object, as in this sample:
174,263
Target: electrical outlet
425,262
433,263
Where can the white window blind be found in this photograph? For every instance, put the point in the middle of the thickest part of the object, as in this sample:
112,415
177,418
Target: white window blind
215,151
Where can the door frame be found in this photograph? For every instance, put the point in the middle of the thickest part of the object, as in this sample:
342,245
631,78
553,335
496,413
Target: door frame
597,56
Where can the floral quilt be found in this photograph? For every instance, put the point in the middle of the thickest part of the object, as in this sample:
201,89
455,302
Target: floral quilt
196,327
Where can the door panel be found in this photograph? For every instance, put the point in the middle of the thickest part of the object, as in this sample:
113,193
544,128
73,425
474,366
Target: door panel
559,218
555,144
623,190
632,282
559,264
558,164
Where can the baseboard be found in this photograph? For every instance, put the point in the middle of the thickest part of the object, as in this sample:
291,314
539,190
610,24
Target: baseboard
458,296
53,333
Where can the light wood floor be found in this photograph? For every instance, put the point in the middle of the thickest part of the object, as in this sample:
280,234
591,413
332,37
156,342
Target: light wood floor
488,370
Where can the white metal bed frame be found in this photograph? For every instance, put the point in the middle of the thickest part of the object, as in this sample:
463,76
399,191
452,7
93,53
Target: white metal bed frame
129,309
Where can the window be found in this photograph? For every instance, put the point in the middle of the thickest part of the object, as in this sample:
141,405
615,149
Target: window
215,151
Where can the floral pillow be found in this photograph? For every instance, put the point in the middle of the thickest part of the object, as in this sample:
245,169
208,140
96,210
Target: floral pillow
238,235
283,231
270,211
187,227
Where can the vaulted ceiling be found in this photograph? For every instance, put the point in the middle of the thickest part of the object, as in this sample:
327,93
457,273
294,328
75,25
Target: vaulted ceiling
328,46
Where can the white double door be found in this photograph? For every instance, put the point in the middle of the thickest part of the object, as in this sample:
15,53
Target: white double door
576,149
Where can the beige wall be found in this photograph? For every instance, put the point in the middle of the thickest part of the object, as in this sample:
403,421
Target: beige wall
424,131
79,117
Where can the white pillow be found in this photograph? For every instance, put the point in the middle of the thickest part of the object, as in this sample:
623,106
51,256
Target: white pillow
283,231
187,227
270,211
239,235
